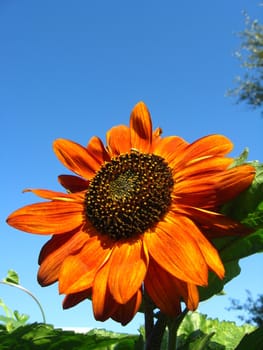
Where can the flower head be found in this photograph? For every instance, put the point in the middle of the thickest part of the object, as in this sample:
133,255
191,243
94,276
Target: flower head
138,216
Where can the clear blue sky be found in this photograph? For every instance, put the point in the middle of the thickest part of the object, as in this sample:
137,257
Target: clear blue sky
73,69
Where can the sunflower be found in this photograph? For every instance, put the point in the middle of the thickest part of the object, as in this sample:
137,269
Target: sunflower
138,217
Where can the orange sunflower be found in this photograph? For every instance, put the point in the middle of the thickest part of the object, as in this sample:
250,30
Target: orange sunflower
137,217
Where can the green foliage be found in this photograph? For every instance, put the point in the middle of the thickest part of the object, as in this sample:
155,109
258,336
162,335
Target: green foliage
250,87
253,340
12,277
12,319
197,332
42,336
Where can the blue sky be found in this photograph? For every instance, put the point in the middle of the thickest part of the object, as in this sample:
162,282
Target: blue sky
73,69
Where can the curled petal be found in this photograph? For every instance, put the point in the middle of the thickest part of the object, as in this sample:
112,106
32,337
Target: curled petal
55,251
73,299
73,183
124,313
141,128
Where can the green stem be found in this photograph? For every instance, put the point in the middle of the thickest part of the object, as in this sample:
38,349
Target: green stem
148,315
154,341
29,293
173,325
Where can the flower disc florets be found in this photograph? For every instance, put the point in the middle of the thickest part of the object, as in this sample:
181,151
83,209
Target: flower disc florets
129,194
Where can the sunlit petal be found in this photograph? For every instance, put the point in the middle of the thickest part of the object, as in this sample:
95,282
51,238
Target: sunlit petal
141,128
127,271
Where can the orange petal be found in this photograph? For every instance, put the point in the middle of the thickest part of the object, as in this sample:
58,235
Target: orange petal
210,254
171,246
97,150
118,140
73,183
141,128
203,168
76,158
213,224
233,182
127,271
192,300
198,193
162,289
170,147
102,302
166,290
125,313
78,271
74,299
48,218
58,196
54,252
205,147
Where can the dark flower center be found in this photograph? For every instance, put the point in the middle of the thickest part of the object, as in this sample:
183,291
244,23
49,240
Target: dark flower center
129,194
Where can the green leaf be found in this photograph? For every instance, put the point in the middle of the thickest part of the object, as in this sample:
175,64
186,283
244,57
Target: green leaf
255,219
199,332
12,277
231,251
253,340
41,336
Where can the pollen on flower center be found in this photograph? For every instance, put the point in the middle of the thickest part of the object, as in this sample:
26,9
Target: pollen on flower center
129,194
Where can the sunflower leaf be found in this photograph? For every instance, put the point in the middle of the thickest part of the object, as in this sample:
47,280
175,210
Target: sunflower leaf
253,340
231,250
199,332
43,336
12,277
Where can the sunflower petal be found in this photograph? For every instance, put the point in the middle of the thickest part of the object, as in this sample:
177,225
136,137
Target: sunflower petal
97,150
170,147
192,299
162,289
78,271
73,183
102,301
210,254
125,313
128,269
141,128
233,182
71,300
76,158
205,147
173,248
55,251
118,140
213,224
47,218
